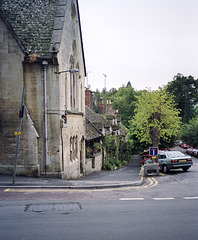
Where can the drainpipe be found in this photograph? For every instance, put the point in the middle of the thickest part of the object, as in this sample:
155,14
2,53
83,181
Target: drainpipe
45,147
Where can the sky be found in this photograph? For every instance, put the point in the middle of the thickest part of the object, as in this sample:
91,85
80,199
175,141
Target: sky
146,42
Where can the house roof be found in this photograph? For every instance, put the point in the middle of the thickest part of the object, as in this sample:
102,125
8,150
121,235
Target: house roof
91,132
104,120
93,117
37,25
31,22
94,124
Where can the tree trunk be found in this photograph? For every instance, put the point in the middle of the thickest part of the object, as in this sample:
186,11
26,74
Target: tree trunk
155,136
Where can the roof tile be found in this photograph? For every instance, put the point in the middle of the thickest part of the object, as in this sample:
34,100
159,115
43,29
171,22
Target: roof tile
32,22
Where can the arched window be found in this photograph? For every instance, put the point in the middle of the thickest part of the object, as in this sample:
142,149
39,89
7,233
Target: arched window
71,149
76,147
73,11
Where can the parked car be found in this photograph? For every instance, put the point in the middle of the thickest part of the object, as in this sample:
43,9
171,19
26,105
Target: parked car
192,151
189,150
174,160
185,146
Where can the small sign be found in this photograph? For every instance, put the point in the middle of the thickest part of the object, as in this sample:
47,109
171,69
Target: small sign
17,133
153,151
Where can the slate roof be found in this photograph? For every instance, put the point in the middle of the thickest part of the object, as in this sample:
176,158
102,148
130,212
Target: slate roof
91,132
93,117
106,122
94,124
32,22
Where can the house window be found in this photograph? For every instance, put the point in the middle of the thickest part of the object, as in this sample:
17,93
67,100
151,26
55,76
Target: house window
76,147
93,162
74,91
71,149
81,100
66,86
73,11
71,91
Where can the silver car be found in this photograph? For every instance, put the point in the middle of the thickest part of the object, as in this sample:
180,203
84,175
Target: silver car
173,160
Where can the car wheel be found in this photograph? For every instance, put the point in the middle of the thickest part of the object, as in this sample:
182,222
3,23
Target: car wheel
164,169
185,169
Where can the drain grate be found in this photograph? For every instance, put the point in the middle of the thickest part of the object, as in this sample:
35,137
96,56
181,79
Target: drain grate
53,208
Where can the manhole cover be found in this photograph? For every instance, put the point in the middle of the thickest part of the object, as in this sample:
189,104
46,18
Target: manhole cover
55,207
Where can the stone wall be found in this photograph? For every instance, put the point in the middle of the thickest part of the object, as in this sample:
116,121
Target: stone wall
15,72
11,82
93,164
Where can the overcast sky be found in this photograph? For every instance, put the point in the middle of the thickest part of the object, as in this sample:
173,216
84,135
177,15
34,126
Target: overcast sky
145,42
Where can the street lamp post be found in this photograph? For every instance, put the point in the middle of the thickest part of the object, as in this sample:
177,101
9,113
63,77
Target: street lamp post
73,70
105,78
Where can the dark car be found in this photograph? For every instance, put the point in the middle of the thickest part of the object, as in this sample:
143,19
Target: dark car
174,160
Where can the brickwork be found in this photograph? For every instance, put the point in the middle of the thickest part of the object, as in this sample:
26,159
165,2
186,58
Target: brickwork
88,98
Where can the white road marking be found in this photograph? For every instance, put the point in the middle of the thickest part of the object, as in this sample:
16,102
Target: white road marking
190,198
156,199
131,199
160,199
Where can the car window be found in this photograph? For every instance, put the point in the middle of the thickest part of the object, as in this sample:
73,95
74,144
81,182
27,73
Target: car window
175,154
162,156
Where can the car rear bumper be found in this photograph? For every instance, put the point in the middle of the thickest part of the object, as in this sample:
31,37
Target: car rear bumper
174,166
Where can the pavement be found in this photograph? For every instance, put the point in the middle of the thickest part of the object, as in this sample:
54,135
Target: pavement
130,175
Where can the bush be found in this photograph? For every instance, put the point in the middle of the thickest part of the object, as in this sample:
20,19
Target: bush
117,152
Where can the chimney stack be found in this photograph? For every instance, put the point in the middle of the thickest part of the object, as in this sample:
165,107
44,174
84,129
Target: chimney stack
101,107
109,109
88,98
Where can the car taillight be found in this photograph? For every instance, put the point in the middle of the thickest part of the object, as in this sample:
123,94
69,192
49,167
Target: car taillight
173,161
190,159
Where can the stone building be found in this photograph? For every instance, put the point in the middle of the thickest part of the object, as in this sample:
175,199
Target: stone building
97,127
41,49
93,141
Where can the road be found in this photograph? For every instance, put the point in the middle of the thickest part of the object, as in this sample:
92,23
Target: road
164,207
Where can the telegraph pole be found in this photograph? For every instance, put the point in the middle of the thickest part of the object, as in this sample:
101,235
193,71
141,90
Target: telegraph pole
105,78
18,133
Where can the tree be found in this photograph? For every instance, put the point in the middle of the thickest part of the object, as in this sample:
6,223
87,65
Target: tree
112,92
124,101
189,132
156,118
96,100
185,90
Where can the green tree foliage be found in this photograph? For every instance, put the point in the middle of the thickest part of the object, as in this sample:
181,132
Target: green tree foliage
118,152
156,118
112,92
189,132
124,102
185,90
96,100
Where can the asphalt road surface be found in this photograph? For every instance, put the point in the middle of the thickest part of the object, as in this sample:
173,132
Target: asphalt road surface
110,219
164,207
